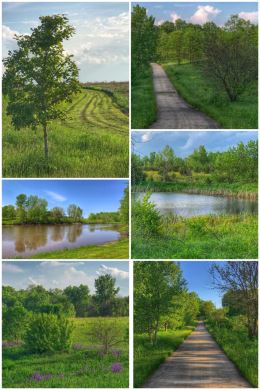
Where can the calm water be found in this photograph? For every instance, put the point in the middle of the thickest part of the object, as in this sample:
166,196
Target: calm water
188,205
28,240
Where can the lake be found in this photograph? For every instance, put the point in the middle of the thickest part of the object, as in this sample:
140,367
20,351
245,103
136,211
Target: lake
189,205
27,240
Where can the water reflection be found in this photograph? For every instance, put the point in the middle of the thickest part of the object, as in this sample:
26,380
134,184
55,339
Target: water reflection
27,240
188,205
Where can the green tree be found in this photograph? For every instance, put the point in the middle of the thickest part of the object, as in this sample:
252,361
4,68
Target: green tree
105,294
124,207
8,212
79,296
15,321
75,213
241,277
155,285
21,204
39,76
57,213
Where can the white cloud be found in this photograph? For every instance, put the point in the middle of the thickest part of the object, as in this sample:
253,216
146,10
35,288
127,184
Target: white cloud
8,33
55,264
56,196
147,136
115,272
175,16
33,281
251,16
9,267
204,14
160,22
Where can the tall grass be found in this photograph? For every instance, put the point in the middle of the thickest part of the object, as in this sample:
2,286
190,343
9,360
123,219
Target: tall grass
82,367
143,106
201,93
147,358
93,142
200,237
239,348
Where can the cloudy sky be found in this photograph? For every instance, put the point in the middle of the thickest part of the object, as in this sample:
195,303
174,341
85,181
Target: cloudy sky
60,274
92,196
100,44
200,13
184,142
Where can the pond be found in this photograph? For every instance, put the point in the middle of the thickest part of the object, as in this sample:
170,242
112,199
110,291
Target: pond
27,240
189,205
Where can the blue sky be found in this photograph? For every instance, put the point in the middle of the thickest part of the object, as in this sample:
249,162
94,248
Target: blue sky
199,280
91,195
100,45
60,274
200,13
184,142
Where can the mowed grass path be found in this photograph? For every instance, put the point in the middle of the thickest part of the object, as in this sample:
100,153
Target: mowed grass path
92,142
83,368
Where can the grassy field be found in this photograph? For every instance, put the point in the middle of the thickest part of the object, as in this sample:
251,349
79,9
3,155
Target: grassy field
201,93
82,367
143,104
113,250
201,237
240,349
147,358
93,142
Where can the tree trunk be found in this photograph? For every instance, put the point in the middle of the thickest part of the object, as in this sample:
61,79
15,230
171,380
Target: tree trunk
46,148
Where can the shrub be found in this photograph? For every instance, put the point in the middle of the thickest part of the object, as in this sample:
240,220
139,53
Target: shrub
15,321
48,333
107,334
146,218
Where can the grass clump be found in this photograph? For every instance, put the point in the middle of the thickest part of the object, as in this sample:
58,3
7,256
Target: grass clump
204,95
147,357
143,100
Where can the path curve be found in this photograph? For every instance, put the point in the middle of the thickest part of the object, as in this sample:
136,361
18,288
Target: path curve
198,362
172,111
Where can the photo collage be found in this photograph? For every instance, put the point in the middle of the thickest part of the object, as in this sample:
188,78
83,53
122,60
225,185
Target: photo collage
129,194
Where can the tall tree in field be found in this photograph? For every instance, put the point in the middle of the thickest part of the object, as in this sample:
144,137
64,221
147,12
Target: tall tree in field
156,283
124,207
39,76
105,295
240,277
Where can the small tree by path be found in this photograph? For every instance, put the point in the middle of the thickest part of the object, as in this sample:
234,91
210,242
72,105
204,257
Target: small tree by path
39,76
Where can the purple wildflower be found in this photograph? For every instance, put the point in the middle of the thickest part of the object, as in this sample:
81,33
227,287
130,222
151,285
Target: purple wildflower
37,377
116,367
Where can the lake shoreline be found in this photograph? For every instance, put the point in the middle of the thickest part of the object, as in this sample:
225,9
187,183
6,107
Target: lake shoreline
169,187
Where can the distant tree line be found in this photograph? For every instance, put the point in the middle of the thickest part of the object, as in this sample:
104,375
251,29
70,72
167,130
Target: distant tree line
239,163
33,209
227,54
20,306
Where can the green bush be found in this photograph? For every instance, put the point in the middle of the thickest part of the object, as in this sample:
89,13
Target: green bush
15,321
145,217
48,333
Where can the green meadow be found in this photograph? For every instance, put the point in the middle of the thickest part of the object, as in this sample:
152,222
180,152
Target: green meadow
83,366
92,142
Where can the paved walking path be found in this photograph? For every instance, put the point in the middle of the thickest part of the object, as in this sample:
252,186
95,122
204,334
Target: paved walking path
198,362
172,111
